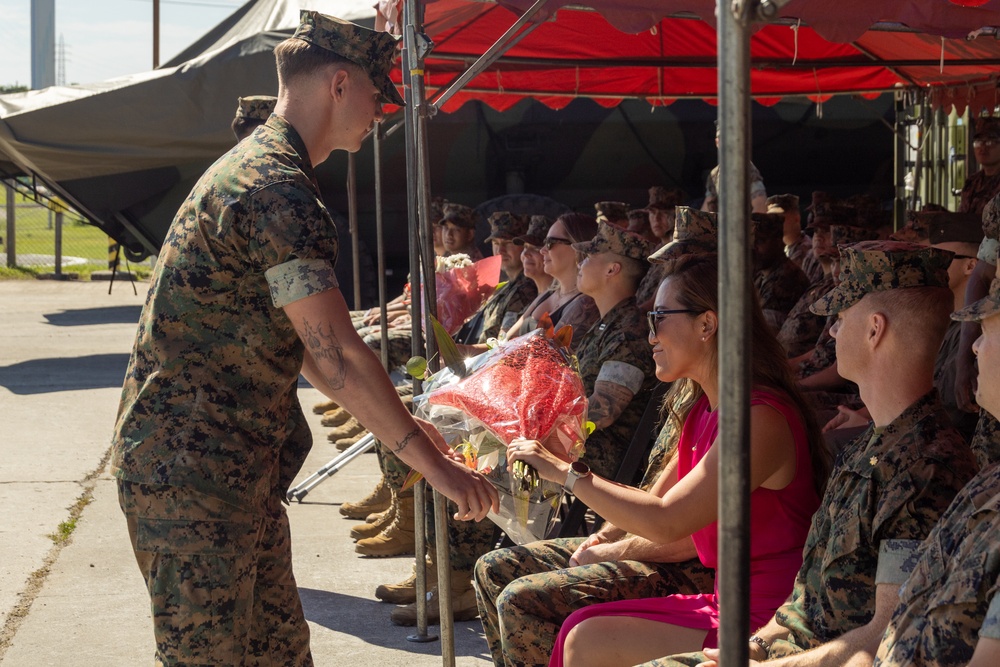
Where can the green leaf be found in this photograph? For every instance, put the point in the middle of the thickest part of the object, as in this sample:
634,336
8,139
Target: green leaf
449,351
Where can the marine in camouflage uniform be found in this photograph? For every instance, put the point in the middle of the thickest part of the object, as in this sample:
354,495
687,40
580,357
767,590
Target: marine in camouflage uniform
526,592
661,201
887,489
779,282
210,432
984,185
949,600
802,328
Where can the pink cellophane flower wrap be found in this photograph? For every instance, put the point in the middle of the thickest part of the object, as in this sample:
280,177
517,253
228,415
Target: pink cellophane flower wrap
527,387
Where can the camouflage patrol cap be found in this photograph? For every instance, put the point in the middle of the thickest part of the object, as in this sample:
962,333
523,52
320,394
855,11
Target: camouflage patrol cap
825,214
783,204
538,227
664,199
695,232
991,218
841,235
255,107
505,225
767,225
458,215
371,50
917,228
437,208
876,266
617,241
978,311
987,126
948,227
819,197
611,211
638,220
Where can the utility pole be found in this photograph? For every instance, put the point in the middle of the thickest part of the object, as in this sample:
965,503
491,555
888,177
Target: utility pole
156,33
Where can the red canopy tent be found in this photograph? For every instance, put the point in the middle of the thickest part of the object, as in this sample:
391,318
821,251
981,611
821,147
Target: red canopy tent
669,53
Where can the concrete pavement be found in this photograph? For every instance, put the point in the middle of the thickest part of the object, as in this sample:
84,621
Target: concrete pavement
63,351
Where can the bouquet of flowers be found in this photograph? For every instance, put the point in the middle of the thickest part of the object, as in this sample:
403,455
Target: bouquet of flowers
527,387
463,286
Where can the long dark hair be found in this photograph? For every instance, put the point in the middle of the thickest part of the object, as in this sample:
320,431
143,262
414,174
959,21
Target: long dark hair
696,278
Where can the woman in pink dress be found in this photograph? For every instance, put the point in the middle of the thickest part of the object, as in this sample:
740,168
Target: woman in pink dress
788,467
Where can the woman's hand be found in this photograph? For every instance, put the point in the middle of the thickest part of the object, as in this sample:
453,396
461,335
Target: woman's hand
848,418
549,466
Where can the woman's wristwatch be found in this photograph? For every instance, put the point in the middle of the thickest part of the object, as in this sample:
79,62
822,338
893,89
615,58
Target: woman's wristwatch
577,470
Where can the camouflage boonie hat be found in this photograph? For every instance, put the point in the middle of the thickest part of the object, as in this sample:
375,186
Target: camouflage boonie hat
876,266
767,225
664,199
978,311
459,215
695,232
947,227
371,50
615,240
256,107
783,204
505,225
538,227
826,214
987,126
611,211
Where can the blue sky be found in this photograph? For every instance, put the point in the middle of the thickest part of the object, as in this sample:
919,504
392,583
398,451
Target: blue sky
106,38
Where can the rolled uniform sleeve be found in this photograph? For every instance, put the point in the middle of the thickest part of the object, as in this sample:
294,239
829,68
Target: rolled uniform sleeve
988,250
294,241
624,374
991,624
896,559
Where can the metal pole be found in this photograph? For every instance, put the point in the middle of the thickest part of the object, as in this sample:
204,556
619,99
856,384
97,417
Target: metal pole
734,339
11,239
59,231
444,580
380,242
156,33
416,342
352,217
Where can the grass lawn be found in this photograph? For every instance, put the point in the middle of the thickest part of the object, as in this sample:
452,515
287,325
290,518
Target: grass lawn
84,246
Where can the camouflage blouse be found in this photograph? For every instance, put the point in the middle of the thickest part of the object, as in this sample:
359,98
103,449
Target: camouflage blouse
949,600
886,492
209,400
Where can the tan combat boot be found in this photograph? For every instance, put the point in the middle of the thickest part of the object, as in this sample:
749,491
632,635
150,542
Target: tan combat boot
335,417
397,539
405,591
349,428
463,603
343,443
325,406
378,500
374,524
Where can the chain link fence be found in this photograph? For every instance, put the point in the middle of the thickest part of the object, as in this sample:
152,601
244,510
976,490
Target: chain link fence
38,237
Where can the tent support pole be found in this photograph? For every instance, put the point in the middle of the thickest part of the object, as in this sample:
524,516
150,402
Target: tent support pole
506,42
899,152
352,218
734,335
380,242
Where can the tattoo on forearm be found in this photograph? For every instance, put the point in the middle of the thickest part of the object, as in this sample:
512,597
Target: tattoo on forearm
401,445
607,403
327,351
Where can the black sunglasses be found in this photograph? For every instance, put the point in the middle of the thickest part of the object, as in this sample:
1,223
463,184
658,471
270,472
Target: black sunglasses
654,317
963,257
555,240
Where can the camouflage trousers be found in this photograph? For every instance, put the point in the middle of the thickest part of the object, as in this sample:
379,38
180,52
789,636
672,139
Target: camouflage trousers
219,578
400,345
526,592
